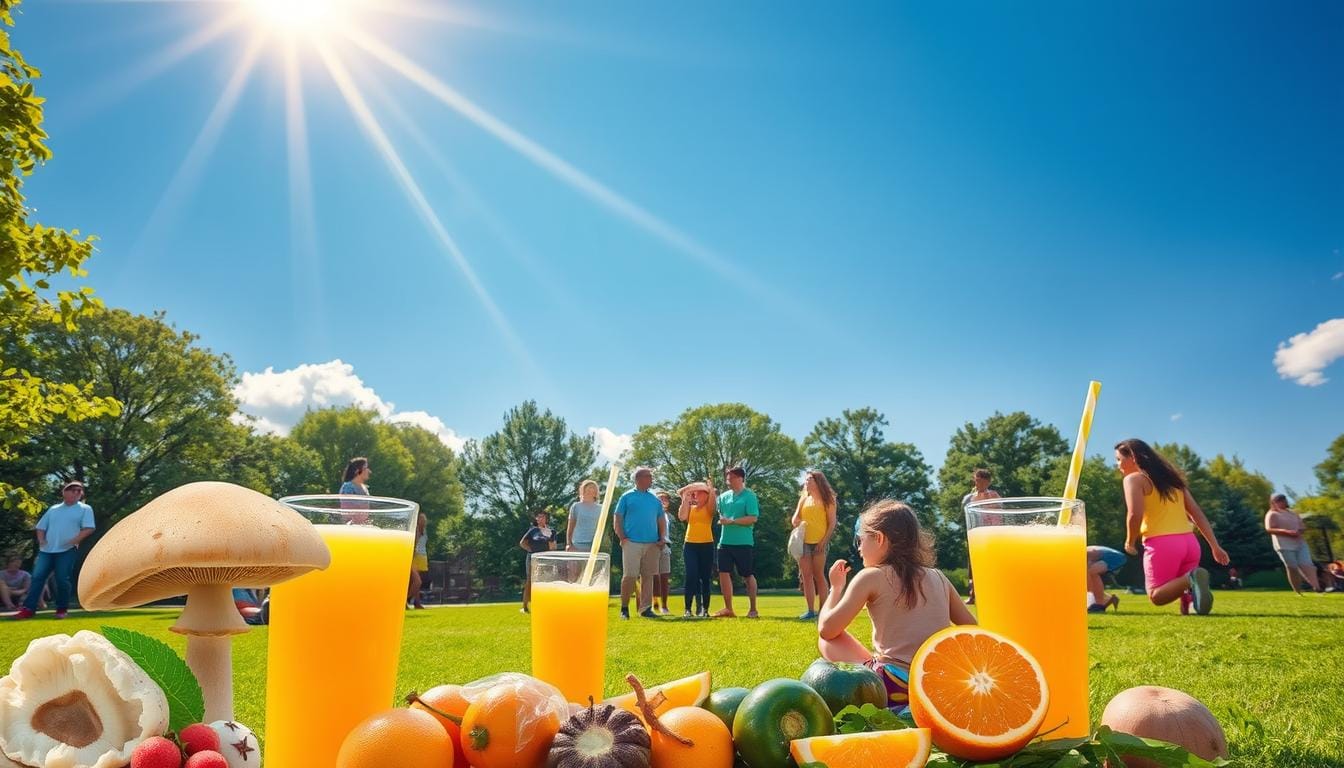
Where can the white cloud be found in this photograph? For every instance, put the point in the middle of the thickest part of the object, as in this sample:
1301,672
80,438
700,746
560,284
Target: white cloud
1338,276
610,445
1304,356
276,400
1176,416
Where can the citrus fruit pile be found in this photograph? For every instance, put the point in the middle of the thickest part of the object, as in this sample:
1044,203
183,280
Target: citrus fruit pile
974,694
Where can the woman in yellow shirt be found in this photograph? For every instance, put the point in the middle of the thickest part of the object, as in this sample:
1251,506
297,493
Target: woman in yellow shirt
1164,513
698,502
816,507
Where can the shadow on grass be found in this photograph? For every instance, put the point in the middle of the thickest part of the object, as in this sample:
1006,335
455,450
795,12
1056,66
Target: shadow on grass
1294,757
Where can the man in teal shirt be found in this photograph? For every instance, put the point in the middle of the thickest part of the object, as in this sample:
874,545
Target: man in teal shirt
738,510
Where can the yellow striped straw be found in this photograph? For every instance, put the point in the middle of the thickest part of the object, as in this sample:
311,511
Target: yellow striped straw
1079,451
601,525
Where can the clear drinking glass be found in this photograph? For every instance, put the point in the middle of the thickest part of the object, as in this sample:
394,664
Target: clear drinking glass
569,622
335,635
1030,576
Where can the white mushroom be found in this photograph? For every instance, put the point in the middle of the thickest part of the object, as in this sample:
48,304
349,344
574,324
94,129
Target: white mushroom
201,540
77,701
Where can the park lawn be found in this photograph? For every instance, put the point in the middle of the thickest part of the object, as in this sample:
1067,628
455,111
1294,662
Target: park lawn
1269,664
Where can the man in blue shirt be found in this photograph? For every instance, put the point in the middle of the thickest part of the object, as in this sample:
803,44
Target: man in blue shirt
641,527
59,533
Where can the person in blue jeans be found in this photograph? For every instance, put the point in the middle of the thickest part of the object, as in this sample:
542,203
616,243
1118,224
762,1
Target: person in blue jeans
1101,560
59,533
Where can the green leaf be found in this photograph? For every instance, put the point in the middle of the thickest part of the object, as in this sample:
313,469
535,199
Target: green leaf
186,704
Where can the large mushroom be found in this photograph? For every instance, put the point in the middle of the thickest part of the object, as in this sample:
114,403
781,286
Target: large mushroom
201,540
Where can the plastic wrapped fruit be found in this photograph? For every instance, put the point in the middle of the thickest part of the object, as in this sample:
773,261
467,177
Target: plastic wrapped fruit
77,702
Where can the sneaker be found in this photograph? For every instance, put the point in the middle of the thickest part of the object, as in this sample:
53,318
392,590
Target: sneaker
1186,600
685,614
649,613
704,613
523,609
808,616
625,613
62,614
23,613
1199,588
752,614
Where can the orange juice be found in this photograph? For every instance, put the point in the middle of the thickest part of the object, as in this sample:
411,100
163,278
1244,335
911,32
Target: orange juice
335,638
1030,585
569,637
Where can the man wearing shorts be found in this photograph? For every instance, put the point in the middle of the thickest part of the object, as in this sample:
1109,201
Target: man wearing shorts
1285,528
640,527
738,510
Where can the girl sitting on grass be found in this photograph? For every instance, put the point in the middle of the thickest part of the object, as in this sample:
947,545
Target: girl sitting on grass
906,597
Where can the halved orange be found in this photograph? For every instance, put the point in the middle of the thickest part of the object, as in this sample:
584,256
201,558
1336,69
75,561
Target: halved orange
980,694
906,748
687,692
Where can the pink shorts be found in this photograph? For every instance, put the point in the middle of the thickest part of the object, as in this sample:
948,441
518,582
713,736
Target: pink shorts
1169,557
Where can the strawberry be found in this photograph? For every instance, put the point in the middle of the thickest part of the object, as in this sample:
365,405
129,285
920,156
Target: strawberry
156,752
198,738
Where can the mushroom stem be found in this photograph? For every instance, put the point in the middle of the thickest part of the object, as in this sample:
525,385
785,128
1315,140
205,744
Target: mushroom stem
209,621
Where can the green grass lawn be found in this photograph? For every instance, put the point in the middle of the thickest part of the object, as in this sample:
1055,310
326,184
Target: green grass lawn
1269,664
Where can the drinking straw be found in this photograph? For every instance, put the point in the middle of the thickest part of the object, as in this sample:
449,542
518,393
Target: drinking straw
601,525
1079,452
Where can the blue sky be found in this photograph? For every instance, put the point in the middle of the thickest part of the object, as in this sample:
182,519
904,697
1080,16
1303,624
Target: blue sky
939,210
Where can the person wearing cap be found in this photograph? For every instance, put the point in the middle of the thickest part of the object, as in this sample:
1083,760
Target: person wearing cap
738,509
641,527
59,533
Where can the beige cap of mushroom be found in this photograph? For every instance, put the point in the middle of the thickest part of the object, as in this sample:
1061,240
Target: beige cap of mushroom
201,540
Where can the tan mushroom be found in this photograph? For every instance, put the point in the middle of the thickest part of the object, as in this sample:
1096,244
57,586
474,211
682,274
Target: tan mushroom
201,540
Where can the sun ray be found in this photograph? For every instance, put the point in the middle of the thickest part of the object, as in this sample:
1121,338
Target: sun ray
303,236
537,269
109,91
189,170
374,131
546,159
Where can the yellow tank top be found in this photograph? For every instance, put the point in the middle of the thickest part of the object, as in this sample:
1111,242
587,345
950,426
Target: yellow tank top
698,530
1164,516
814,514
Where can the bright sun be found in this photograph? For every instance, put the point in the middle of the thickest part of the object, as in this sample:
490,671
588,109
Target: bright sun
306,17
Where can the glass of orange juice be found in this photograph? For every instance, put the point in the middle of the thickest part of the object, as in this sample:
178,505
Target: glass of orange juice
569,622
335,635
1030,584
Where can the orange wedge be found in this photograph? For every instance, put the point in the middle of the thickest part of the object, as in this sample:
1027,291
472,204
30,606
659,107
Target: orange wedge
981,695
906,748
687,692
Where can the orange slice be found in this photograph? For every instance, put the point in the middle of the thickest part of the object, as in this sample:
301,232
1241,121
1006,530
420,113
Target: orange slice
906,748
981,695
686,692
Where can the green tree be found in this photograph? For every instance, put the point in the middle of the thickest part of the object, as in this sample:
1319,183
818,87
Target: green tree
433,484
31,254
533,462
174,425
1019,450
270,464
1103,497
702,442
863,467
341,434
1330,472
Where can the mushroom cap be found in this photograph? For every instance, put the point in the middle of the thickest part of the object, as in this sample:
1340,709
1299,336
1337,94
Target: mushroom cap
199,534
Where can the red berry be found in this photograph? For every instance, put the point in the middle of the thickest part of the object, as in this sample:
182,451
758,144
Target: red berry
156,752
207,759
198,738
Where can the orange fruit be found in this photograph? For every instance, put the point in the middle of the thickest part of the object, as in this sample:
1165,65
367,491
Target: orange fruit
980,694
448,700
687,692
906,748
407,737
511,724
712,742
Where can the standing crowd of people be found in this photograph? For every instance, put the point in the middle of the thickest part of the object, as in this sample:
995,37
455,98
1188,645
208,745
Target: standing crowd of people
1162,517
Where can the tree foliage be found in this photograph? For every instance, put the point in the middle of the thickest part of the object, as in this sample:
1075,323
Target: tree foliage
1020,451
702,442
864,466
174,424
30,255
532,463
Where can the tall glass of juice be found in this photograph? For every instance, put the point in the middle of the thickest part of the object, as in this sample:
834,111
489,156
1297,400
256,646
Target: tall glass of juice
569,622
335,635
1030,584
